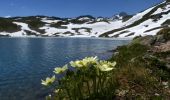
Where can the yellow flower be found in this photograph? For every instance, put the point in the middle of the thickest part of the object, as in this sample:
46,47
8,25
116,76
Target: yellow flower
48,81
105,66
84,62
60,70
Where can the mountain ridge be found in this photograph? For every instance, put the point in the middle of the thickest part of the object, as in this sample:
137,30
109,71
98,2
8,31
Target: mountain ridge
147,22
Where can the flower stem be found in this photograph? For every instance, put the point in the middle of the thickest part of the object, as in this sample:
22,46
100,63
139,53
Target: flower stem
79,89
68,93
88,87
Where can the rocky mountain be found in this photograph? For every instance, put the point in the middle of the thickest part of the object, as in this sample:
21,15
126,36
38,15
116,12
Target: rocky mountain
147,22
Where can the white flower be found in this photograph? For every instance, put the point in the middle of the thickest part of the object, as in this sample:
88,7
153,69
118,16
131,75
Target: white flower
48,81
77,63
156,94
59,70
90,60
165,84
57,90
106,66
84,62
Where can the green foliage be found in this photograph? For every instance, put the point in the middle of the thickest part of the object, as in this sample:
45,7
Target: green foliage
153,29
130,34
158,68
138,81
167,22
162,54
137,37
128,53
59,24
117,35
85,28
139,75
8,26
34,22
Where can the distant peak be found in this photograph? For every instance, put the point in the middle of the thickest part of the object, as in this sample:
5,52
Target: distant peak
123,14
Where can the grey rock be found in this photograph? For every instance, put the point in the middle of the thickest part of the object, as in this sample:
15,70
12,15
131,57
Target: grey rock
147,40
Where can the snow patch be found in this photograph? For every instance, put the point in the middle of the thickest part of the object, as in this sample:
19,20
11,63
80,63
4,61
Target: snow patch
49,21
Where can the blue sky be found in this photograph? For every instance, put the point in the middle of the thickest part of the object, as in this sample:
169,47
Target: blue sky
73,8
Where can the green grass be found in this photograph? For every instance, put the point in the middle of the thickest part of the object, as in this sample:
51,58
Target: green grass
33,22
153,29
163,54
59,24
167,22
86,29
117,35
7,25
35,25
127,53
130,34
140,73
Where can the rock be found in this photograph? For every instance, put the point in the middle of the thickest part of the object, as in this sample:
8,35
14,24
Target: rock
159,39
164,47
168,66
168,59
147,40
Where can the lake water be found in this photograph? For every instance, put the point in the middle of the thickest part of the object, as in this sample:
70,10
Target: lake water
25,61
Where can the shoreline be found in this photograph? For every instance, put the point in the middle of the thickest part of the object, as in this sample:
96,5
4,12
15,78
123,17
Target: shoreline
102,38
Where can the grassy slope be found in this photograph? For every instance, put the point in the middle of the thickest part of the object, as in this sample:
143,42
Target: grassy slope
142,72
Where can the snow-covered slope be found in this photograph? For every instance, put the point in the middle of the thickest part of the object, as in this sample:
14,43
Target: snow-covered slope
147,22
83,26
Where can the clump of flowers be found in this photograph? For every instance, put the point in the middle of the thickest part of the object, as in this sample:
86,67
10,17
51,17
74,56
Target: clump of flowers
105,66
84,62
86,79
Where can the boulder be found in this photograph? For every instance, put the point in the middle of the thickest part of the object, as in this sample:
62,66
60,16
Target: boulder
164,47
147,40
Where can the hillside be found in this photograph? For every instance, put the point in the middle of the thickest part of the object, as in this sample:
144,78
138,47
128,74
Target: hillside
137,71
147,22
